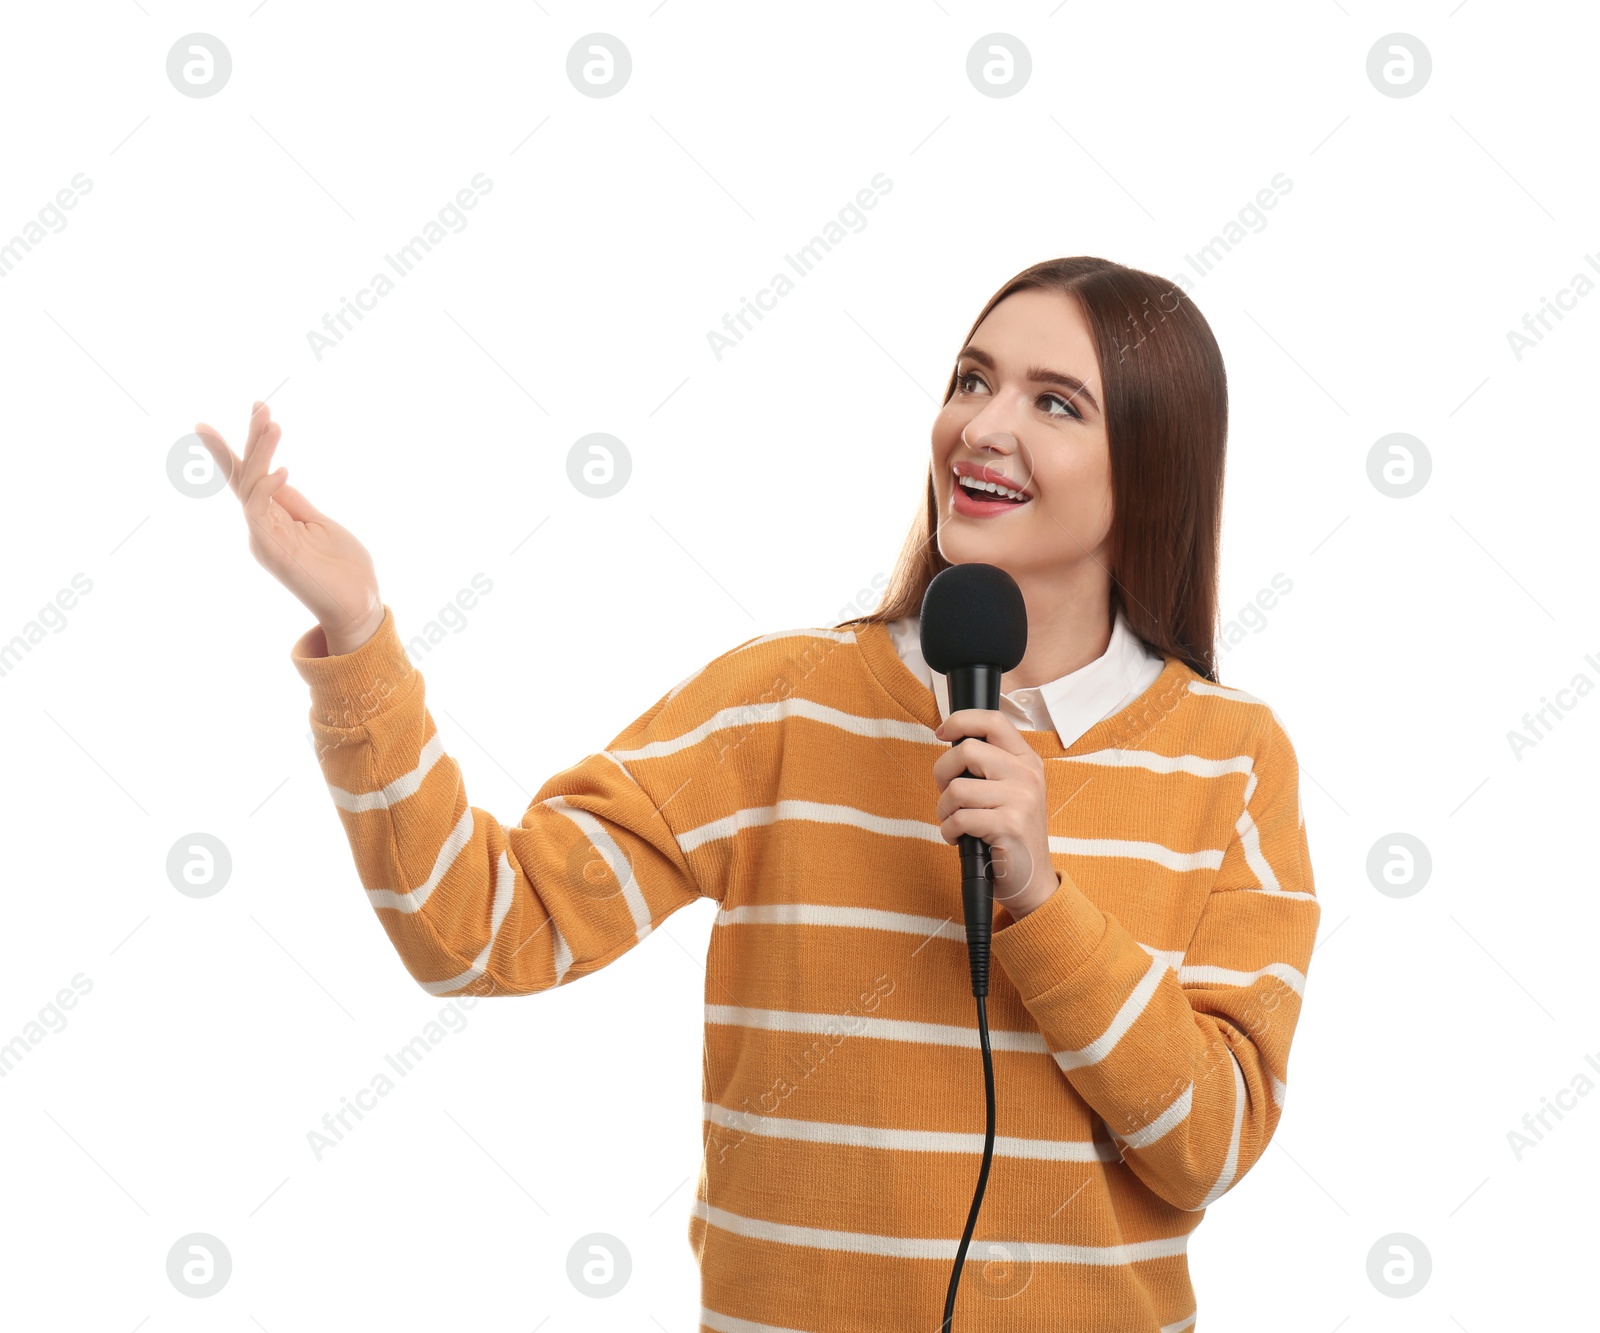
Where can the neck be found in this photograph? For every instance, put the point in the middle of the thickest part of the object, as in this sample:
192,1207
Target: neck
1069,624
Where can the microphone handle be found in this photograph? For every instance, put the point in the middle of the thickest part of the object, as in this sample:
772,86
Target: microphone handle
977,902
976,687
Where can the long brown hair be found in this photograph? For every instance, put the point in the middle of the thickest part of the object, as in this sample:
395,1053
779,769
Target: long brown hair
1166,411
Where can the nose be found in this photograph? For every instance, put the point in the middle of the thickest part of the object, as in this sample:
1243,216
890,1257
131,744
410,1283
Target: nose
1002,440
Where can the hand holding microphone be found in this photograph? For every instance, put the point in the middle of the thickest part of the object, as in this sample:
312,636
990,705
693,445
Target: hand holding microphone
1001,803
974,629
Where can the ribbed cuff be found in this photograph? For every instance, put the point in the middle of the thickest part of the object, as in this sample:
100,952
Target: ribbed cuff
349,689
1052,943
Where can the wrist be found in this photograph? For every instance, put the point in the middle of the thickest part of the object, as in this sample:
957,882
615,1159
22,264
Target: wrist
342,639
1030,901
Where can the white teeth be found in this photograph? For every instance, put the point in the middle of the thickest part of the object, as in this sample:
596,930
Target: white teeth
973,484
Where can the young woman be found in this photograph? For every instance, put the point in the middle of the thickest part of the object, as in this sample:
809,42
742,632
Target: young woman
1155,912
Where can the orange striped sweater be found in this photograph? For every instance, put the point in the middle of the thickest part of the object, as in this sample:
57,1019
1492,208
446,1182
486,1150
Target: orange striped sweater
1140,1018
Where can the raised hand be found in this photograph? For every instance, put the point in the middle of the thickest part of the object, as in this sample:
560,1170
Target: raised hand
317,559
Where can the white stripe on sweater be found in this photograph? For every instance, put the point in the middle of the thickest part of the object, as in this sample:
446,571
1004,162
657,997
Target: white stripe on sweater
392,792
1175,763
1223,692
1205,859
1255,858
411,900
596,831
905,1140
1230,1166
1208,974
1199,765
917,1247
886,1029
749,715
1238,696
823,914
1126,1016
599,835
1162,1125
836,635
504,893
505,884
816,811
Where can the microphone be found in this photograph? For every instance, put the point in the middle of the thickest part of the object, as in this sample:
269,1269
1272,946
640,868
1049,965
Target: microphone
974,629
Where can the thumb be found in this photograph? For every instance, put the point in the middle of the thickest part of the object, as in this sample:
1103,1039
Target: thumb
217,447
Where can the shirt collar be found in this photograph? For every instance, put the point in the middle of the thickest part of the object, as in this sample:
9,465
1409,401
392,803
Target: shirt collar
1070,704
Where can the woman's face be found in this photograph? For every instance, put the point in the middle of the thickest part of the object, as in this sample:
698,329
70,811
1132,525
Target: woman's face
1027,406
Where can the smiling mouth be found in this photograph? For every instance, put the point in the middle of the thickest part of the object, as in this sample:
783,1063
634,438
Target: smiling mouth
980,492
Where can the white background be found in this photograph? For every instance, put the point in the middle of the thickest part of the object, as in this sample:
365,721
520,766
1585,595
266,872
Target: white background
767,489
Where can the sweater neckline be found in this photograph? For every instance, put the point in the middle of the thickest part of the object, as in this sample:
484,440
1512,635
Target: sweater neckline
918,702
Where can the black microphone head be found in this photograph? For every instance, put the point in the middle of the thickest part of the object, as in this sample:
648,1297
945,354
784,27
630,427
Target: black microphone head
973,615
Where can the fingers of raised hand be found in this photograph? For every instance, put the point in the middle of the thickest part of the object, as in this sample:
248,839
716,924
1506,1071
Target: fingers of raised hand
260,414
228,462
258,484
255,464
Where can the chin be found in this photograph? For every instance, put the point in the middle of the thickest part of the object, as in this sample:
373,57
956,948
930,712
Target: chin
971,548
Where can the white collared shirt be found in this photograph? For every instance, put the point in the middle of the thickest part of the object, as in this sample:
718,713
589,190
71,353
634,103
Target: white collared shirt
1070,704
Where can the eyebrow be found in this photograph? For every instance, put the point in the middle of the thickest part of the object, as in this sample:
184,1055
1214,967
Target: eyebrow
1037,374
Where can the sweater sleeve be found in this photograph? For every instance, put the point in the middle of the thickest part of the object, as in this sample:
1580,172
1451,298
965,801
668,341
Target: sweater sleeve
1187,1068
471,905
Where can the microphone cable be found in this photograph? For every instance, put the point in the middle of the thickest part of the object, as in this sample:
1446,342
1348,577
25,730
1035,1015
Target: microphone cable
983,1173
977,897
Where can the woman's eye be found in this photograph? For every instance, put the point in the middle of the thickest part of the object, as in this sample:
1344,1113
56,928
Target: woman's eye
1071,410
962,381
